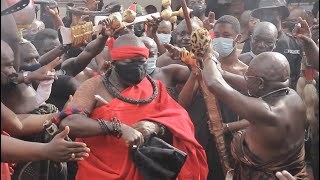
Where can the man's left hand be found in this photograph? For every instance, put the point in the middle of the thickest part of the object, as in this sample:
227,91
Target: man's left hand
146,127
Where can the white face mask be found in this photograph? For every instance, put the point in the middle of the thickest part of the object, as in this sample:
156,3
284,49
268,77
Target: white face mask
164,38
152,62
44,91
224,46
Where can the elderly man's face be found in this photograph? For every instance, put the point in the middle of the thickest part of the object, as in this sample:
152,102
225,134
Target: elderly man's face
262,42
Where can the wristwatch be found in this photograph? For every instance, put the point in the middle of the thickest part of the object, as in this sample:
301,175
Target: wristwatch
25,77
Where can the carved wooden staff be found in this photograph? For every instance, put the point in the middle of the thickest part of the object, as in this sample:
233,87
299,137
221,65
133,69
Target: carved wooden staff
215,120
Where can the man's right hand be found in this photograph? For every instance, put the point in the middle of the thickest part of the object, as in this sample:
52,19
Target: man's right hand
107,30
153,25
60,150
302,33
131,137
175,52
208,23
46,72
285,175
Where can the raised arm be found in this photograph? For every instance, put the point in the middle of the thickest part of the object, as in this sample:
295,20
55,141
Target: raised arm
311,49
252,109
51,55
74,66
188,91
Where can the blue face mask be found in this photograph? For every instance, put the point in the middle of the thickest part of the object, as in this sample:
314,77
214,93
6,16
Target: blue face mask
152,62
224,46
164,38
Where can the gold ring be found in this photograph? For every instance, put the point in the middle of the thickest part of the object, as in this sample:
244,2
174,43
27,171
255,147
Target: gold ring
73,156
134,146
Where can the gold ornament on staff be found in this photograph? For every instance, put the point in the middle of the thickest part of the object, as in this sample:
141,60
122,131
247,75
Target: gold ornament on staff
169,15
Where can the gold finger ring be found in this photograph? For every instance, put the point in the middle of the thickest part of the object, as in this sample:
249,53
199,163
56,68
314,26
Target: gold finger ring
73,156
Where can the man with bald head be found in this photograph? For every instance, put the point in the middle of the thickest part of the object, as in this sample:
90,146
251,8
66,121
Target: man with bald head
123,107
264,39
274,140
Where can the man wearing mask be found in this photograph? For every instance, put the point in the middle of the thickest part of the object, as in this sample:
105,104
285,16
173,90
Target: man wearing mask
199,8
143,107
264,39
160,32
275,11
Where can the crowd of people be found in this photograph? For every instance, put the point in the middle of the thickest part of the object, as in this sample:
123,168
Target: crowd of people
236,95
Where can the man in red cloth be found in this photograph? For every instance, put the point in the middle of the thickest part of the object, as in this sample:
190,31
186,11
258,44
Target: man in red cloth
131,106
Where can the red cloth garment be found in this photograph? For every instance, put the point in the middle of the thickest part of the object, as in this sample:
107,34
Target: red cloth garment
110,158
6,169
127,52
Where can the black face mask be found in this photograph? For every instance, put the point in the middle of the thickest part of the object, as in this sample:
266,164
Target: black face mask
139,29
33,67
133,72
198,10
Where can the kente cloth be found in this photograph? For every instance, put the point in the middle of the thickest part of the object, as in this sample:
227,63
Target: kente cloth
6,168
249,167
110,158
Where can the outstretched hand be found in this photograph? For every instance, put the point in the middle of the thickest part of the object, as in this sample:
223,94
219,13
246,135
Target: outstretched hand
153,25
52,12
302,31
175,52
107,30
285,175
46,72
208,23
60,150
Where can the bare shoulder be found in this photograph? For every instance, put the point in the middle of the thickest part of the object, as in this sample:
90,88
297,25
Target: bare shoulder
84,96
245,58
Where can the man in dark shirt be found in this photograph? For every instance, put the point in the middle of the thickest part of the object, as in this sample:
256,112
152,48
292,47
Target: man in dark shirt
274,11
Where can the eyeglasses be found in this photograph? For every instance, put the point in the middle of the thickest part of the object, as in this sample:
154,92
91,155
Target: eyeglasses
246,77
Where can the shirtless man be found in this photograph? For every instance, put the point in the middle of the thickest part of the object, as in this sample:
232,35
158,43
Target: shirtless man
129,97
264,39
274,140
170,75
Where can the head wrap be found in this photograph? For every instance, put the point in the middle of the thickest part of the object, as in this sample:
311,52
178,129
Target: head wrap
127,52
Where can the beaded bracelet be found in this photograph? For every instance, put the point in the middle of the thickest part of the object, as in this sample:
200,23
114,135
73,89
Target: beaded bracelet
104,127
116,125
162,129
65,113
